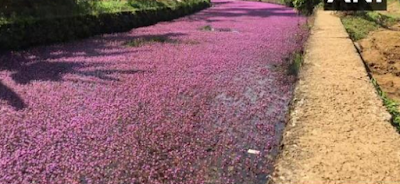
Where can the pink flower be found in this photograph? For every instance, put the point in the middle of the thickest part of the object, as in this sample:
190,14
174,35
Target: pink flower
182,110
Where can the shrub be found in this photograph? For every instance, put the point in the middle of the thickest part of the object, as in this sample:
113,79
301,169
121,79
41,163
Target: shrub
288,3
22,34
305,6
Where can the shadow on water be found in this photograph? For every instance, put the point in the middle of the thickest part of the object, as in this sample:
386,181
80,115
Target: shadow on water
52,63
11,97
221,3
213,15
261,12
46,71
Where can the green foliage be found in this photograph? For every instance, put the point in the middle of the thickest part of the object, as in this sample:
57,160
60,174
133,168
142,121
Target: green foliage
358,27
360,24
378,18
288,3
20,10
306,6
29,32
391,105
207,28
141,4
296,60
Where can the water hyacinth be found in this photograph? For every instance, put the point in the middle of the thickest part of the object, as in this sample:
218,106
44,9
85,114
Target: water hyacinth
187,111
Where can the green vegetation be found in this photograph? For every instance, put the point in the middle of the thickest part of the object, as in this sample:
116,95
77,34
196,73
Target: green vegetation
296,60
26,31
391,105
359,24
26,10
206,28
141,41
305,7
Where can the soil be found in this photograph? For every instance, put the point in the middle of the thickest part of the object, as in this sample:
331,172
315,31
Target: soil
339,131
393,9
381,52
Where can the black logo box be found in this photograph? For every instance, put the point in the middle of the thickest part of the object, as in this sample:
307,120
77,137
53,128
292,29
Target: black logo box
361,5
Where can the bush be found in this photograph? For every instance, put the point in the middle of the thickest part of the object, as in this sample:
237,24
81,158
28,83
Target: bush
288,2
18,35
306,6
303,6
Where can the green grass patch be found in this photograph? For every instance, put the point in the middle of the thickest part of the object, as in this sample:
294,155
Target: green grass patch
32,31
358,27
360,24
391,105
143,4
19,10
296,61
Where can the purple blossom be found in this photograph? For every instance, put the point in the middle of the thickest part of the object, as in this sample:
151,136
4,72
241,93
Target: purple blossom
99,111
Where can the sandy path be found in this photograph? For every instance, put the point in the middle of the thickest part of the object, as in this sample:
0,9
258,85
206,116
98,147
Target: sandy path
339,131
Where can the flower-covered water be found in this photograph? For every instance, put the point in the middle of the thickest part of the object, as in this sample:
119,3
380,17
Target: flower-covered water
183,105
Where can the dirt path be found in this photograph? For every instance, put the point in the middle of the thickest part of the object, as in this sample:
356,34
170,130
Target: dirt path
381,51
339,131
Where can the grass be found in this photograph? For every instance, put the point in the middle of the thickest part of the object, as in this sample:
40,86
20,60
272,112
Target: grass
391,105
21,11
296,60
358,27
360,24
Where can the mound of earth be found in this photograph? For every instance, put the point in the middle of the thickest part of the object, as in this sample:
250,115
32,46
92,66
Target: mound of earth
381,51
